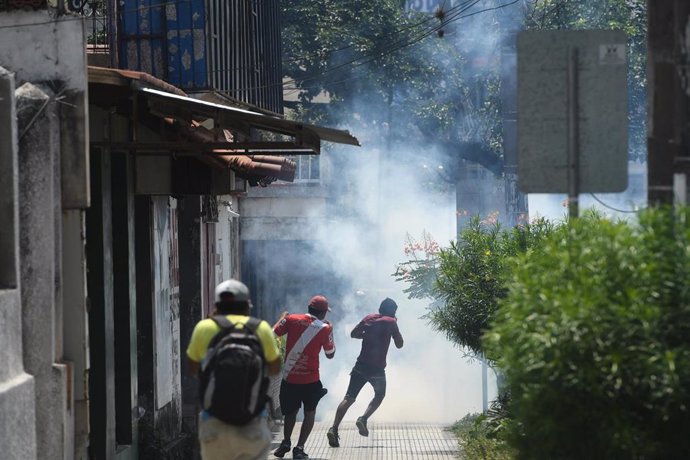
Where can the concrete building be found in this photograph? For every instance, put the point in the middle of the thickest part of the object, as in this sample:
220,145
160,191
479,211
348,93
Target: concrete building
45,191
121,194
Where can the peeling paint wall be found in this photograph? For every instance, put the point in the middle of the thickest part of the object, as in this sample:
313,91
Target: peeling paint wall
166,300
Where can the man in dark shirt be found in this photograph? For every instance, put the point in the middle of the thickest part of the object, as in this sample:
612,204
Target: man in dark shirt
376,331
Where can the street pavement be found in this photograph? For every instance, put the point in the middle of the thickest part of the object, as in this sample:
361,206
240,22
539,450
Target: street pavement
386,441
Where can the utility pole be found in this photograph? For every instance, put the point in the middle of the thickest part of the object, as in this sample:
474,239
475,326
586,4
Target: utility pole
516,201
668,138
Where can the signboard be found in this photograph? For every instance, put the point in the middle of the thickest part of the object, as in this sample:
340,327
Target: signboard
600,128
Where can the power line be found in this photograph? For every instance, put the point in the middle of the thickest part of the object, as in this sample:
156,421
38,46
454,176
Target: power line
395,46
614,208
402,29
392,48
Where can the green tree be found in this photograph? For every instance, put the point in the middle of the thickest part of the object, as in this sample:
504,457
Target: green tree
468,279
388,73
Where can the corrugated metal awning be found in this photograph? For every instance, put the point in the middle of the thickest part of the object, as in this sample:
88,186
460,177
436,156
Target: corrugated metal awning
307,138
187,114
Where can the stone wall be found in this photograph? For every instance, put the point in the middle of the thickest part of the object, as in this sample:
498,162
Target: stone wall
17,407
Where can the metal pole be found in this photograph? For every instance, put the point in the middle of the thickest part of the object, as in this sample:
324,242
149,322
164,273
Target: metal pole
485,387
573,134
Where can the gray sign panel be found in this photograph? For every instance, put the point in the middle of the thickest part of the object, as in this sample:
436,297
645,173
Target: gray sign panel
602,152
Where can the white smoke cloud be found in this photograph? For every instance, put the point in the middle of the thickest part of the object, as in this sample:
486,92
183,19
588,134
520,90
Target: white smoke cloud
429,379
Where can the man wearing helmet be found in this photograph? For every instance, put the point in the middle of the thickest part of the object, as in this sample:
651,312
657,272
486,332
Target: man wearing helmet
376,332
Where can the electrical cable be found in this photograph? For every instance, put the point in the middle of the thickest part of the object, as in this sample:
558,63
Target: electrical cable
614,208
395,46
402,29
417,39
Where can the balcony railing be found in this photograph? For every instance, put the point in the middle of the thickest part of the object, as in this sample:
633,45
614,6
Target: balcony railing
97,23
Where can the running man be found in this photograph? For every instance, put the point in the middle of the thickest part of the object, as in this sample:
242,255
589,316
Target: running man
307,334
376,331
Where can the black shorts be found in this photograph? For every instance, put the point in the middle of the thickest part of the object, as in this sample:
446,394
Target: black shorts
293,395
363,373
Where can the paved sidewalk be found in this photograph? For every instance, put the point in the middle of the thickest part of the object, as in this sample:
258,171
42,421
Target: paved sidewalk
386,441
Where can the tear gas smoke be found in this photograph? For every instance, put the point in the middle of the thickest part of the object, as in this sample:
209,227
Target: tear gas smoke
428,379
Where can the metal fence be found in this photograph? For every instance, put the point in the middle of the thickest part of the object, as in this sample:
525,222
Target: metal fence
97,23
244,51
231,46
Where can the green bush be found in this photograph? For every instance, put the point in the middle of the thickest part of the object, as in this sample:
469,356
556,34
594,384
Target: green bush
479,439
594,341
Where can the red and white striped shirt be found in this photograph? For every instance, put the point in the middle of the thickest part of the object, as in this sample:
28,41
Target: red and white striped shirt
306,336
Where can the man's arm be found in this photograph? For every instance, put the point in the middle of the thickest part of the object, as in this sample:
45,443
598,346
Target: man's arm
280,327
358,331
196,349
329,343
271,351
273,367
397,337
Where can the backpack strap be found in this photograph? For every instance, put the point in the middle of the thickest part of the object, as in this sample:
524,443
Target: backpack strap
223,322
226,326
252,324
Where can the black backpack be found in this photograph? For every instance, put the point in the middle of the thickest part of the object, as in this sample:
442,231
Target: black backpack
233,378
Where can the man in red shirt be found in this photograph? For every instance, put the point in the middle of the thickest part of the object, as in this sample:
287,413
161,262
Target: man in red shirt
307,334
376,331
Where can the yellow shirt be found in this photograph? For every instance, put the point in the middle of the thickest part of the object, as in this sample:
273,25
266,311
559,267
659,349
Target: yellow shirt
206,329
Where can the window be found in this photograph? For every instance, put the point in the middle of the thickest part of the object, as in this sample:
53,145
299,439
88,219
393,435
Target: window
308,168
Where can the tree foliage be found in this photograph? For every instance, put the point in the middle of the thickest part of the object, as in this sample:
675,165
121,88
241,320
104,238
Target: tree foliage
390,77
592,340
468,278
395,82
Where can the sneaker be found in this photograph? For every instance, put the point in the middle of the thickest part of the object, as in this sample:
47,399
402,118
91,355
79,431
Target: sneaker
333,438
362,426
282,449
298,452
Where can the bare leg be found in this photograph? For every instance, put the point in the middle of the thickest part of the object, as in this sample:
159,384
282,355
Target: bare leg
373,405
341,411
307,425
289,424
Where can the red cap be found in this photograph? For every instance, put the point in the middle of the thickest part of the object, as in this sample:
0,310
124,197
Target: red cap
319,302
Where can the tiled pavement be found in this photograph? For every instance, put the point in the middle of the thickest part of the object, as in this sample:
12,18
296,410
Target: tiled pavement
386,441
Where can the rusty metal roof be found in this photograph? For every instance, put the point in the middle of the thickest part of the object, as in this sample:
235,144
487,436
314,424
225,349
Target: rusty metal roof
176,106
186,114
257,171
